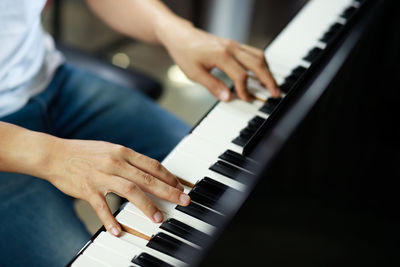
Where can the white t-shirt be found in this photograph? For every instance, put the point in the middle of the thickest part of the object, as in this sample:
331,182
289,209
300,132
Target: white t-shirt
28,58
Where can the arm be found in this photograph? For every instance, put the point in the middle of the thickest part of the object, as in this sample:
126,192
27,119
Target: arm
89,170
194,50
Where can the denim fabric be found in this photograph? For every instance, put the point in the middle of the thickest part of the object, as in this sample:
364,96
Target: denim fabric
38,226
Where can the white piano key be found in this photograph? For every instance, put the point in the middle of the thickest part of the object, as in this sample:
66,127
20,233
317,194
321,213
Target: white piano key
85,261
130,246
240,109
206,150
201,148
107,256
117,245
220,128
169,211
193,169
146,226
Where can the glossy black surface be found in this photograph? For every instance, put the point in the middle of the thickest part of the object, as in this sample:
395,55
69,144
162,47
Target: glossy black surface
185,231
171,246
146,260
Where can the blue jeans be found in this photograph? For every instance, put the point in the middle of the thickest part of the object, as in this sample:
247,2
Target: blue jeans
38,226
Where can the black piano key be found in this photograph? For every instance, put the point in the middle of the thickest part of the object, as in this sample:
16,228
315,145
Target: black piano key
185,231
300,70
172,247
231,171
349,12
253,127
236,159
313,54
201,192
330,35
240,141
335,27
270,105
197,196
212,186
257,121
292,78
201,213
285,87
246,133
202,195
146,260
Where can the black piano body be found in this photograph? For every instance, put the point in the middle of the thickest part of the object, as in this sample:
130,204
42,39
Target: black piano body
327,193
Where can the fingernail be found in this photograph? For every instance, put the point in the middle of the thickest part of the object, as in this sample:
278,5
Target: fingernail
115,231
180,187
157,217
184,199
224,95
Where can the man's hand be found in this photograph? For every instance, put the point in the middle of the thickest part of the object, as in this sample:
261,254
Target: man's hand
197,52
194,50
89,170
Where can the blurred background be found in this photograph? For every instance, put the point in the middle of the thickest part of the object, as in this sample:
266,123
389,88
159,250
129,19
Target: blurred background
254,22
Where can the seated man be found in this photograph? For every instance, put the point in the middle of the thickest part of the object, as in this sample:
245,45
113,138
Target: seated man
48,111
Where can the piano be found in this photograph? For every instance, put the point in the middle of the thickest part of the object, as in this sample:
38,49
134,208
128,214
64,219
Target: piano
231,159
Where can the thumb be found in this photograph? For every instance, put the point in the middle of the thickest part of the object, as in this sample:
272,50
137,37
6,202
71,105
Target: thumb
99,204
214,85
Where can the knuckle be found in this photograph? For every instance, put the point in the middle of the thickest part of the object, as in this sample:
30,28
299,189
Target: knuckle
120,150
150,207
230,44
261,63
173,194
241,76
225,55
148,179
130,189
156,165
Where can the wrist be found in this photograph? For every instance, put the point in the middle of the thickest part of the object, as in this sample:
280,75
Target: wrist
40,160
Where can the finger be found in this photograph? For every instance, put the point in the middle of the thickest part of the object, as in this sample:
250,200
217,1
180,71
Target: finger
237,73
252,50
135,195
99,204
153,167
154,186
260,69
215,86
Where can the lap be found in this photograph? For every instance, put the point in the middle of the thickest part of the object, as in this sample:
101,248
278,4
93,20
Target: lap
38,224
88,107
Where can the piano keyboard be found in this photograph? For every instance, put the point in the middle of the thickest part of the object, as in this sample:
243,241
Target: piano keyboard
210,158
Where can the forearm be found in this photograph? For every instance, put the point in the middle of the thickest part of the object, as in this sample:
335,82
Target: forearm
146,20
24,151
